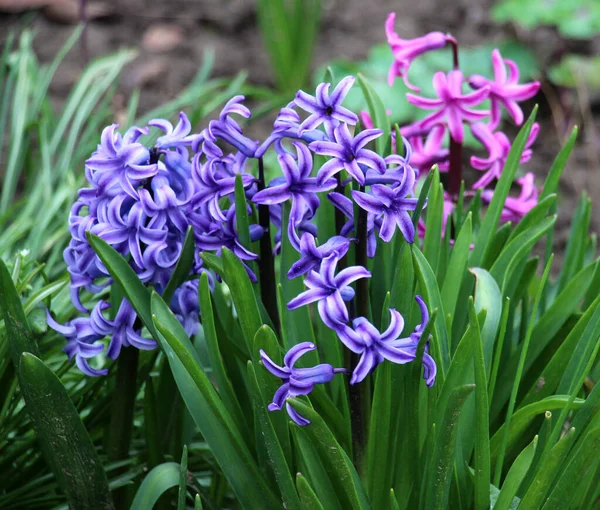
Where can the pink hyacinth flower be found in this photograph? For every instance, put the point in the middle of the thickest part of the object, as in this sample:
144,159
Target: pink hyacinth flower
451,105
498,147
406,50
429,150
517,207
505,89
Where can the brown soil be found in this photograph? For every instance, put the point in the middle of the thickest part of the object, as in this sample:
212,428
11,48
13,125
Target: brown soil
171,37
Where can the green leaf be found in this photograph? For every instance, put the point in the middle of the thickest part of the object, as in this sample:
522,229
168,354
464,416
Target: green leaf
433,223
433,299
378,113
309,499
515,476
482,421
207,410
19,335
579,463
273,447
183,472
542,482
243,296
183,266
488,297
334,458
224,385
423,196
58,426
439,473
158,481
457,266
492,216
558,166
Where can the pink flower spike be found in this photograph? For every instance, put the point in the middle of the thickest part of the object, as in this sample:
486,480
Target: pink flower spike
498,147
517,207
505,89
451,105
406,50
429,152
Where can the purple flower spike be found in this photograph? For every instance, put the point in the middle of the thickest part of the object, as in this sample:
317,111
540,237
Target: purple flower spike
451,105
228,130
393,204
120,163
174,136
311,255
505,89
326,109
429,366
498,147
330,290
297,381
297,184
406,50
364,339
349,153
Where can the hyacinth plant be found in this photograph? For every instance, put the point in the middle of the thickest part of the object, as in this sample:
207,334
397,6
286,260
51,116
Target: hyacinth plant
346,334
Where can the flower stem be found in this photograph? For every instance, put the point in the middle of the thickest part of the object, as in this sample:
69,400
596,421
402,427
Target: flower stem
455,171
358,393
266,265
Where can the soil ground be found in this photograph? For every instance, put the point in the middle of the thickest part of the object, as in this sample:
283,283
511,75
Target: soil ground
172,35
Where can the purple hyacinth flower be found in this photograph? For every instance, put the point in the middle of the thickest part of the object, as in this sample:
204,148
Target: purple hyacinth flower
406,50
228,130
505,89
296,184
326,109
330,290
451,105
393,204
348,153
311,255
186,307
364,339
120,163
498,146
165,208
120,329
174,136
297,381
429,366
81,342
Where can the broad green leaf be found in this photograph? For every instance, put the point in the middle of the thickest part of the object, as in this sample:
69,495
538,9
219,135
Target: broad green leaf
433,299
378,113
482,423
309,499
525,416
273,447
492,216
437,489
457,266
497,245
19,335
183,266
58,425
207,410
515,476
433,223
423,196
578,464
224,385
243,296
558,166
534,216
158,481
488,297
333,456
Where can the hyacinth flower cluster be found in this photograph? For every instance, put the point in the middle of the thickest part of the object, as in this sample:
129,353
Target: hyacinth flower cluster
142,200
438,137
